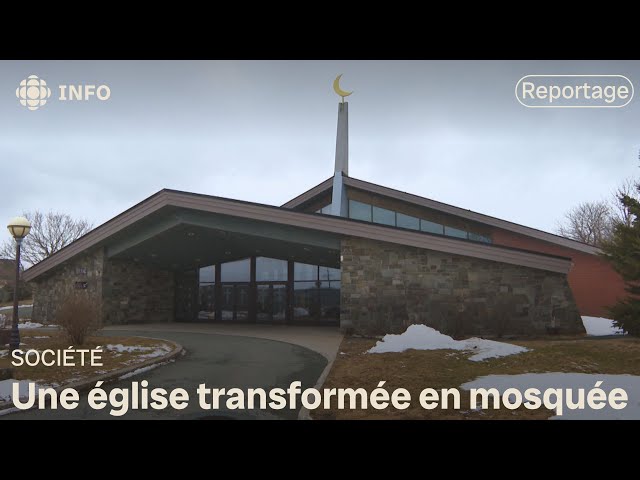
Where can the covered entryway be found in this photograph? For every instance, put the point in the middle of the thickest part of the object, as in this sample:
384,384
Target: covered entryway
233,270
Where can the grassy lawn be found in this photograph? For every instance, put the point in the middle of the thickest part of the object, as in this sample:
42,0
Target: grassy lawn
112,360
419,369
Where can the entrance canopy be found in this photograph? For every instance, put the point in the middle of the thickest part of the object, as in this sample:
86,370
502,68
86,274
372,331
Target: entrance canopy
181,239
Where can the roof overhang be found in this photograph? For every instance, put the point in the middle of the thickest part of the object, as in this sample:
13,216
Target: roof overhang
310,194
251,218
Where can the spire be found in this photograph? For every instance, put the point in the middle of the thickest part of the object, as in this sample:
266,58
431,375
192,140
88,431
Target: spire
339,205
342,139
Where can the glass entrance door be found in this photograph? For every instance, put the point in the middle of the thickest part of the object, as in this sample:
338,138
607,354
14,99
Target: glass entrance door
235,302
271,302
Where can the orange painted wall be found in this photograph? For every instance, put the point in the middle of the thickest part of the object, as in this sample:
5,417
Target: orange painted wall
594,283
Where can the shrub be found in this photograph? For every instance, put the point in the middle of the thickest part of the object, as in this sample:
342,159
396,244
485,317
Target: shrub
78,317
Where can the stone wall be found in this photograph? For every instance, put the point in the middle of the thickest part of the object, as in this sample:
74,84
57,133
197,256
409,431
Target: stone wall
387,287
129,292
51,290
135,293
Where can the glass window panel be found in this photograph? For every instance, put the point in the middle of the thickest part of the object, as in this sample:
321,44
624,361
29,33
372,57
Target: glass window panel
238,271
304,271
270,269
207,309
227,305
328,273
305,300
384,216
279,303
407,221
208,274
242,302
432,227
455,232
330,301
359,210
476,237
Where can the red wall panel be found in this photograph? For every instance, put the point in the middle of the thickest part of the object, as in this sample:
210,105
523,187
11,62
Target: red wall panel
594,283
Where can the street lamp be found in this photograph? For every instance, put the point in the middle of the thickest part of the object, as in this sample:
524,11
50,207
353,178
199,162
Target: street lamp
18,228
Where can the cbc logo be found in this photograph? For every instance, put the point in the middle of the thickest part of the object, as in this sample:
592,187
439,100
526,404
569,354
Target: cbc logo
33,92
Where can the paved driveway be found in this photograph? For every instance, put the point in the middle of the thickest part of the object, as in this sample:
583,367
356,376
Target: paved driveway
217,360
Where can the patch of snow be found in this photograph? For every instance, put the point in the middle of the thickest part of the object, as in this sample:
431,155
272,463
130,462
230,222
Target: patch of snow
542,381
421,337
158,352
154,352
7,385
141,370
30,325
598,326
3,353
42,336
128,348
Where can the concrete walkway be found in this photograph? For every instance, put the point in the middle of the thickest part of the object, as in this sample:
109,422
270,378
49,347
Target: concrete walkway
324,340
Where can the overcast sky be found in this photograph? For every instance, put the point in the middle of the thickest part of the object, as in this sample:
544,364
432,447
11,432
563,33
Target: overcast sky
264,131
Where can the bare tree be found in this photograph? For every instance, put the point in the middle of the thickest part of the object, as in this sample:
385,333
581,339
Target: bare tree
49,233
619,212
589,222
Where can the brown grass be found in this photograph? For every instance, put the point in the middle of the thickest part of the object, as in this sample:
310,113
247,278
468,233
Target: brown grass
419,369
62,375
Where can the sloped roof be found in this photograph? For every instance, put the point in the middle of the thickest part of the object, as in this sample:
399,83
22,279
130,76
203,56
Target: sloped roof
445,208
309,221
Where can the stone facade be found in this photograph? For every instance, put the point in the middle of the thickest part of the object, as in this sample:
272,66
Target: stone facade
134,293
387,287
50,290
128,292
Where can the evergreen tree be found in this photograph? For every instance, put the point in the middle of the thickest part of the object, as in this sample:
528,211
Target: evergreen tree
623,251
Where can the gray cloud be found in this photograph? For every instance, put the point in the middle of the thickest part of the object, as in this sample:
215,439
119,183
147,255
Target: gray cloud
265,131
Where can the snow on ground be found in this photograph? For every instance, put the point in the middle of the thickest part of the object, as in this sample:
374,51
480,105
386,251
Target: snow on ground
598,326
7,385
153,351
127,348
542,381
3,353
42,336
421,337
30,325
138,371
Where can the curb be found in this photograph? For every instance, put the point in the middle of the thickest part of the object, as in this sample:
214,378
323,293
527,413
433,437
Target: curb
304,413
114,375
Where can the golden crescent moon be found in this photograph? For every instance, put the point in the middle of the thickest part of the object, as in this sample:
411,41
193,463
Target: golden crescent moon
338,90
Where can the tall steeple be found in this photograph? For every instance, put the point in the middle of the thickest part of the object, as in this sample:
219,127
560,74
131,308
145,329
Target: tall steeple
339,205
342,139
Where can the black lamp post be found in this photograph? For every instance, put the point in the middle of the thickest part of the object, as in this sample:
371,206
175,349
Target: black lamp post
19,228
